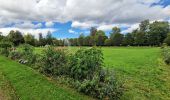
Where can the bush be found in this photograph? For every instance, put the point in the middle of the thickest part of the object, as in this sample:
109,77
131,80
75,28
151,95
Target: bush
85,63
103,86
54,62
166,54
15,55
5,48
28,54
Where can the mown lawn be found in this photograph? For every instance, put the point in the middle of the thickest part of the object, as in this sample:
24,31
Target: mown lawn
145,75
30,85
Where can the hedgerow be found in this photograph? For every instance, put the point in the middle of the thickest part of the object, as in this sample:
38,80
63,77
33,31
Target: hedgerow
83,70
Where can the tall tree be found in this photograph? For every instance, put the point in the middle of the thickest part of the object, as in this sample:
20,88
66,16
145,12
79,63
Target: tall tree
81,40
144,26
29,39
128,39
42,41
158,32
49,39
116,37
100,38
15,37
167,39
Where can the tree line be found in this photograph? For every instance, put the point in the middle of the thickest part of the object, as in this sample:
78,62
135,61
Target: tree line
148,34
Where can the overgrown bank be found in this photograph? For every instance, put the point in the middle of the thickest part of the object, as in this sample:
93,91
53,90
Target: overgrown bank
83,70
30,85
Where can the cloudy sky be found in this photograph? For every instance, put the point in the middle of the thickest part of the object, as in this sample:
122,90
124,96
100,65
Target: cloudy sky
69,18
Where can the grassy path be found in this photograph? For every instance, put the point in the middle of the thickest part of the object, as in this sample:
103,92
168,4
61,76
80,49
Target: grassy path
30,85
6,90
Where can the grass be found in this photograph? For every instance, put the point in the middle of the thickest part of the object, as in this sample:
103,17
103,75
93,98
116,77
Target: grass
30,85
7,92
142,70
145,75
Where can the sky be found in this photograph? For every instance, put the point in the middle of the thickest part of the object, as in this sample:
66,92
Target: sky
70,18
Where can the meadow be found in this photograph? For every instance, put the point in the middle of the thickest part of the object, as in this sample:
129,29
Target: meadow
141,69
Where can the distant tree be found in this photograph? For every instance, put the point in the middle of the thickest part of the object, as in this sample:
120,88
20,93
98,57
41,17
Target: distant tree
81,40
93,31
29,39
139,38
15,37
158,32
49,38
42,41
128,39
1,36
116,37
100,38
107,42
167,39
144,26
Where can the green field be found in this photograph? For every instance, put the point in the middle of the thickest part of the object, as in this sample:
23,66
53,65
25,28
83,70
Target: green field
145,76
141,69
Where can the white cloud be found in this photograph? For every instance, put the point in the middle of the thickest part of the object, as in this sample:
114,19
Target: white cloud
82,25
35,32
49,24
109,27
131,28
72,31
27,25
83,13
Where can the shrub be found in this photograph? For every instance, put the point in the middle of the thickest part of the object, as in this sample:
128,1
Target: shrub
85,63
28,54
5,48
102,86
15,55
54,62
166,54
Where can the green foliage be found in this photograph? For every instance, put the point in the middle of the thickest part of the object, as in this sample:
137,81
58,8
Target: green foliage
29,39
102,86
15,37
54,62
28,54
85,63
167,39
5,48
14,55
166,54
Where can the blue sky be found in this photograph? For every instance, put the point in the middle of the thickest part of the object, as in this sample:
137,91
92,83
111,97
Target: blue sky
70,18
